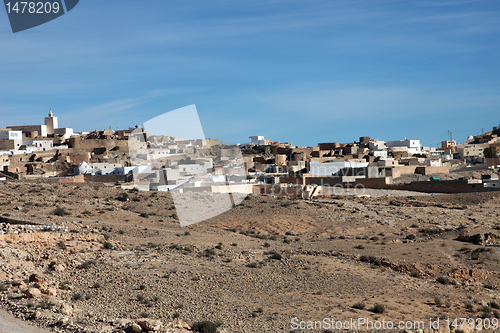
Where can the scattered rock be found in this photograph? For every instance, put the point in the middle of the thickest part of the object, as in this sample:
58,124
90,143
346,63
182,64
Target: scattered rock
17,283
59,268
121,323
106,329
136,328
33,293
481,238
37,315
66,309
65,286
38,278
63,321
149,324
51,291
179,323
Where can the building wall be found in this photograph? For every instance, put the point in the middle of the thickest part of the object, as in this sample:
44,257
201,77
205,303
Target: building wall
280,159
492,184
373,182
108,178
475,150
406,169
293,179
77,158
66,132
388,162
331,168
277,190
51,123
413,146
84,145
328,145
10,144
493,161
233,188
41,129
380,153
324,181
443,186
11,135
42,144
428,170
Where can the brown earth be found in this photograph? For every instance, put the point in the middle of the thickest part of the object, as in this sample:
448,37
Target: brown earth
253,268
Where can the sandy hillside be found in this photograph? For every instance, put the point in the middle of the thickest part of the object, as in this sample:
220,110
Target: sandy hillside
117,258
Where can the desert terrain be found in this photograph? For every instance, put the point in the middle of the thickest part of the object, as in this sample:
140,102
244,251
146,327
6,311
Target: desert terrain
104,259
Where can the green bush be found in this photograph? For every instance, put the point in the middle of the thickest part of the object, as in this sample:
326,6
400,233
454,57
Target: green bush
378,308
107,245
445,280
205,326
59,211
359,306
123,197
76,297
494,305
276,256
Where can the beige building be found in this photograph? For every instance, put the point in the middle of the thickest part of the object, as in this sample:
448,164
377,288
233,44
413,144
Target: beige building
41,130
10,144
472,150
449,146
51,123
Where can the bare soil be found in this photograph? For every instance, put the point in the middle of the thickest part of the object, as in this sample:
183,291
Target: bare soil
251,269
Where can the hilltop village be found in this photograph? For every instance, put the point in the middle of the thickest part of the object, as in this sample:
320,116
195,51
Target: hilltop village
135,158
92,237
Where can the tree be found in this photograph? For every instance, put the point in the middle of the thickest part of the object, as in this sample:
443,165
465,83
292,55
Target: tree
490,152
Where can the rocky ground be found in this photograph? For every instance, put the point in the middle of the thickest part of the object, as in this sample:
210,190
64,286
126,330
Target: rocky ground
118,261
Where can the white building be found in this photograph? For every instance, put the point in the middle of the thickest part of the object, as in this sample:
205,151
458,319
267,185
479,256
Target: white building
377,145
380,153
332,168
66,132
412,146
10,141
51,127
39,145
100,169
258,140
11,135
195,167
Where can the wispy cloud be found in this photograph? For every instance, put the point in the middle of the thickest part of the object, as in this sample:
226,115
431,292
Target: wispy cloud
375,102
119,112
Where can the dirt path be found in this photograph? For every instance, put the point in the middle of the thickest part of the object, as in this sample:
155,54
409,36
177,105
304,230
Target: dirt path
10,324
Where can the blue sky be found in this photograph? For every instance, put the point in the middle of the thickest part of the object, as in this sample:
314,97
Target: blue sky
300,71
